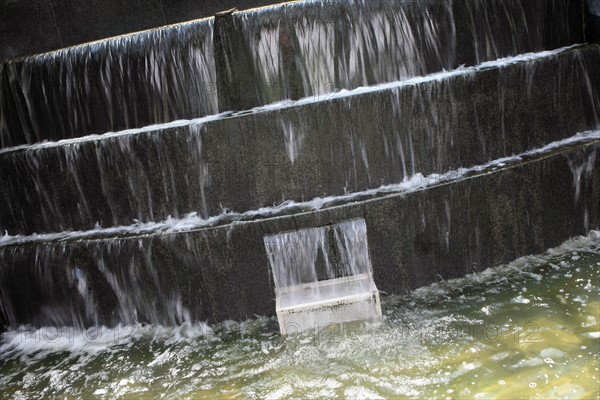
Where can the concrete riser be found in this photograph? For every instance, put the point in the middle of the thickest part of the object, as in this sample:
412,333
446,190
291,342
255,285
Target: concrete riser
223,273
162,75
247,162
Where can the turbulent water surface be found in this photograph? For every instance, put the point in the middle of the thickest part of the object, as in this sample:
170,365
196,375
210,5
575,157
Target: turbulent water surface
529,329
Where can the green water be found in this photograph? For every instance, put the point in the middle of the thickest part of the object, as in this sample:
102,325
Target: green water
529,329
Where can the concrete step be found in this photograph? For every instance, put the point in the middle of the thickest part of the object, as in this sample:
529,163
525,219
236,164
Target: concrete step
294,50
447,226
329,146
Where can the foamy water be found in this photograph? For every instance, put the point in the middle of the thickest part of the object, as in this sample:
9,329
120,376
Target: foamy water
528,329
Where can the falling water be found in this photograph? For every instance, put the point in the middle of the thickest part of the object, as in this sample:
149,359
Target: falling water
129,81
418,181
70,283
324,46
315,254
582,168
68,303
298,50
294,136
427,124
139,177
312,48
322,276
141,293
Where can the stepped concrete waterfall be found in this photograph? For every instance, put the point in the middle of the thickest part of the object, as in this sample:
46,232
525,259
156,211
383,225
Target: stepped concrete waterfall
338,198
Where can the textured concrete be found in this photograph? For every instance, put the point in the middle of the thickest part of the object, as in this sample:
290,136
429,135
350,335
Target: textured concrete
27,27
324,148
593,29
234,71
223,272
594,7
593,21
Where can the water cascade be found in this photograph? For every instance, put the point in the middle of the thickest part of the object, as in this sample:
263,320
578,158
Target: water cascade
322,276
231,167
209,165
295,50
125,82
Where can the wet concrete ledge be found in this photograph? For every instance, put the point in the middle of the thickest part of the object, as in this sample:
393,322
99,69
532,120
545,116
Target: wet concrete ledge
223,272
298,152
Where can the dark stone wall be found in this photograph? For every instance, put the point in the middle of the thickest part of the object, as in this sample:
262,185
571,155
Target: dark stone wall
593,22
244,162
30,27
112,85
594,7
593,30
223,272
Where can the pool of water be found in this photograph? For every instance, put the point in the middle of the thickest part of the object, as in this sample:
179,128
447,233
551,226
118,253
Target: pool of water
529,329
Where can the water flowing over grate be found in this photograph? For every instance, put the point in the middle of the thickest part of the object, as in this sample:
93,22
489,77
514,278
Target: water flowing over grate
322,276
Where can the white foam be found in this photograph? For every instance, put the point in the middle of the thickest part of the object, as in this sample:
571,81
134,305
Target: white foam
190,221
110,135
29,345
400,357
35,344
